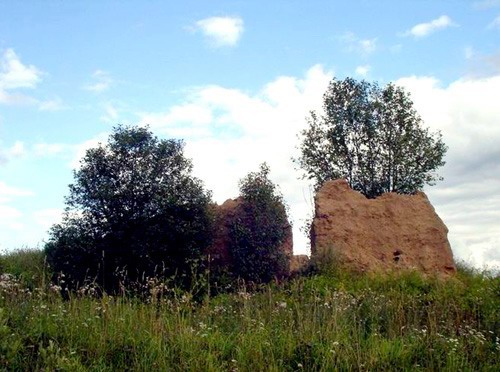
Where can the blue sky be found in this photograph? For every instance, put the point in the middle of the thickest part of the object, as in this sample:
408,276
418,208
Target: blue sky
236,80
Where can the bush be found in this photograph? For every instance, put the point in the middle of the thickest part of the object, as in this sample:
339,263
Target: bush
134,211
258,234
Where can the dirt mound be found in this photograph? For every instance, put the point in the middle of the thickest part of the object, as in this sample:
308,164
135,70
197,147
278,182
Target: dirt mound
391,232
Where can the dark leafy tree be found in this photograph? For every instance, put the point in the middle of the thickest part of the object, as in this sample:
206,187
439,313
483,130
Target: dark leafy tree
134,209
258,234
372,137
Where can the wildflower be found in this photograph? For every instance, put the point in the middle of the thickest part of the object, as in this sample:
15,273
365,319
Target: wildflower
245,295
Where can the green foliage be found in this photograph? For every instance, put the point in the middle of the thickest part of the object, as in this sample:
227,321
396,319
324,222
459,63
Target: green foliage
320,323
257,236
373,138
133,211
26,264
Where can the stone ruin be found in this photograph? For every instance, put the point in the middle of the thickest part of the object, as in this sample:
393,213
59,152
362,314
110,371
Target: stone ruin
391,232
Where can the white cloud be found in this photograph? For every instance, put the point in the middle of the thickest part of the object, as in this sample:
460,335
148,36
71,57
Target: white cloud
362,70
72,153
49,149
468,200
495,24
17,150
485,4
55,104
221,31
110,113
14,74
483,65
356,44
78,151
425,29
187,120
10,217
48,217
8,192
469,53
101,81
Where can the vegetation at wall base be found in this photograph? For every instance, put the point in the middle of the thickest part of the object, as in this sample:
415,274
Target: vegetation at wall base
323,322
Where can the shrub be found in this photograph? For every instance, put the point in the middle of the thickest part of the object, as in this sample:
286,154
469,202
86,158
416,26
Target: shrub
258,234
133,211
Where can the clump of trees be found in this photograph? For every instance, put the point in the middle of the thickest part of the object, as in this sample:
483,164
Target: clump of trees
257,235
373,138
134,210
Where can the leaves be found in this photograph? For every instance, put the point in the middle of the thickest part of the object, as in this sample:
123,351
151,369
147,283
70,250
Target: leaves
133,206
373,138
257,236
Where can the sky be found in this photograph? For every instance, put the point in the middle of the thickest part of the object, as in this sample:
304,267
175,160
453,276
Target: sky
236,80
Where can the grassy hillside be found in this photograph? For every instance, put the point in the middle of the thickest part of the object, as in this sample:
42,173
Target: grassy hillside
323,322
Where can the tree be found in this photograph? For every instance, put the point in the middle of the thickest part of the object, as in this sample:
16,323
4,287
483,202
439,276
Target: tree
257,235
134,208
372,137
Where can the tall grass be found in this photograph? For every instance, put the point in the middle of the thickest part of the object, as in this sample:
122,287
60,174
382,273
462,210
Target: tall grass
325,322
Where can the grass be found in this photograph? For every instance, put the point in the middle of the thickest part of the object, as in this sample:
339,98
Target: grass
323,322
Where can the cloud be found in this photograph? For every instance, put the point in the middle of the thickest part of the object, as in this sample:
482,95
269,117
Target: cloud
8,192
363,70
186,120
425,29
17,150
221,31
48,217
486,4
14,74
10,217
468,199
110,113
469,52
495,24
483,65
101,81
356,44
49,149
55,104
77,152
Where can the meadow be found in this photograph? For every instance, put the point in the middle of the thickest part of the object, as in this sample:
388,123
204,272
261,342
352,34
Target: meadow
322,321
